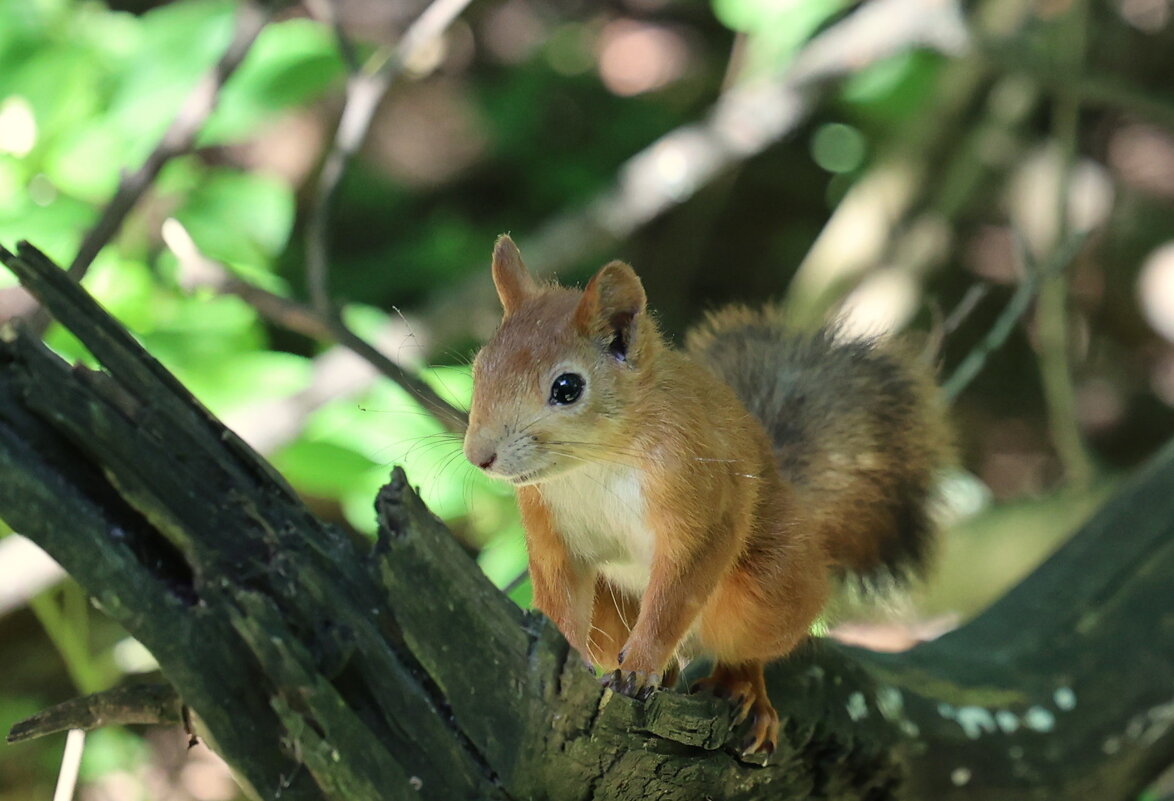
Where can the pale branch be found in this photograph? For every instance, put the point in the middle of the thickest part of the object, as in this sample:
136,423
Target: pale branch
959,314
324,671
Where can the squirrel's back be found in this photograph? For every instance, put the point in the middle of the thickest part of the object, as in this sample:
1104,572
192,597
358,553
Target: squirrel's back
857,430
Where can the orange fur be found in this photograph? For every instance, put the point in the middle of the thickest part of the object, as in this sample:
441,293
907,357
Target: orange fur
660,519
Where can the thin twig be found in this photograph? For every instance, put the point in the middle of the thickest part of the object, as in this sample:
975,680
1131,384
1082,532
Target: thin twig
941,328
295,316
974,295
1097,91
1016,307
365,88
445,413
328,11
1052,323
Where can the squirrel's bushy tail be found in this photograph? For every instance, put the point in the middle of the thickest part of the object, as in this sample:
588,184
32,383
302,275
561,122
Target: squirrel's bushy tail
857,427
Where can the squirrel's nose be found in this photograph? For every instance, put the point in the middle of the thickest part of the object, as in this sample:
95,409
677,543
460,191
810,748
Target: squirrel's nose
481,454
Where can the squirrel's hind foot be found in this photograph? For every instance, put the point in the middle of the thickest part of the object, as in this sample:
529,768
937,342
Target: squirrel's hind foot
744,686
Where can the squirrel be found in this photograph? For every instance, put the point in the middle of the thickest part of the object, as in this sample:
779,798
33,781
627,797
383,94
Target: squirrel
698,502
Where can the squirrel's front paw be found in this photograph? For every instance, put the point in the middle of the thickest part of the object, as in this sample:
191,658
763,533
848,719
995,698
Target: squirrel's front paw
632,683
636,677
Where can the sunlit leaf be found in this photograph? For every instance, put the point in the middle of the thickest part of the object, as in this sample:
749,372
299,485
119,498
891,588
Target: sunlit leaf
321,468
85,163
111,749
774,28
505,557
221,383
893,89
180,41
239,217
290,62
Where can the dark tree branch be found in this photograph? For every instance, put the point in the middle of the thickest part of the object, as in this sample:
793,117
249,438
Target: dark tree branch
324,672
328,11
131,703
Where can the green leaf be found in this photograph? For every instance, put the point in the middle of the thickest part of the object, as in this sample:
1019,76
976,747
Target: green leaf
110,750
55,226
179,42
504,557
84,163
239,217
325,469
233,380
290,63
774,30
893,89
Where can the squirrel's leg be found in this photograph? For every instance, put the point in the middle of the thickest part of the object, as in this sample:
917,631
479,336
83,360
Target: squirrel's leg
679,583
745,686
612,618
563,586
562,592
759,612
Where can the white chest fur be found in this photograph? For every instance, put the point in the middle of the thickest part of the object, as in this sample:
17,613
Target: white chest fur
599,511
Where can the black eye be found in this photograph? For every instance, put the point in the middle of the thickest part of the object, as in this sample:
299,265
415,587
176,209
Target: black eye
566,389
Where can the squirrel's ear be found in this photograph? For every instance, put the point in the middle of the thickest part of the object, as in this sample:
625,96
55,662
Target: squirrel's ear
610,307
513,283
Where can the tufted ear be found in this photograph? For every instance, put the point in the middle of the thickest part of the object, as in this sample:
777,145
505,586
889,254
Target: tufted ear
611,306
513,283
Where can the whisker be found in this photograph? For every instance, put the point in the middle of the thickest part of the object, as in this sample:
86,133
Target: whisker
616,601
397,412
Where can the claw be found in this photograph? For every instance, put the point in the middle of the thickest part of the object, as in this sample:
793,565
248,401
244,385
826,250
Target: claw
632,683
708,685
748,700
743,703
764,730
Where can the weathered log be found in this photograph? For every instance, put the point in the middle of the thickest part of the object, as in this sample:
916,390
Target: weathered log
323,671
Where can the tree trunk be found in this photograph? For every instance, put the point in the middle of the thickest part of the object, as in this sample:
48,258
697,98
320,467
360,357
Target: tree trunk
326,672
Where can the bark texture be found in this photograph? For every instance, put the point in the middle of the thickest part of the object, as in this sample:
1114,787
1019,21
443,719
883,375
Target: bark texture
325,670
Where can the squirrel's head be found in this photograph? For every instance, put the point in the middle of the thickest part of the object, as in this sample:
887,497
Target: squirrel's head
550,388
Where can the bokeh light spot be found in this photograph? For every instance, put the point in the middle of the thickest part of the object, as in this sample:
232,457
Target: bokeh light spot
838,148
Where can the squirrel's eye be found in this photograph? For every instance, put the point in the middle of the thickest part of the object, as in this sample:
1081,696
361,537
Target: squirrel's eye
566,389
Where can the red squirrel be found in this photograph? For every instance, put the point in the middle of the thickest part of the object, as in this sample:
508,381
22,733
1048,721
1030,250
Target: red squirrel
697,502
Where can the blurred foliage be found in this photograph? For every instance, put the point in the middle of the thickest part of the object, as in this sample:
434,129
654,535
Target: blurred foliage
528,111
